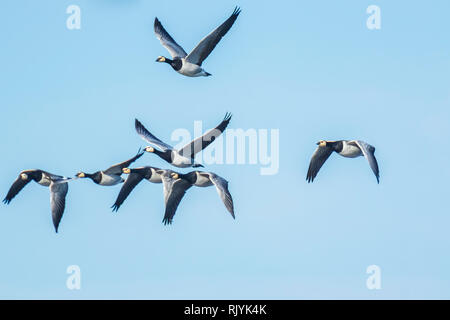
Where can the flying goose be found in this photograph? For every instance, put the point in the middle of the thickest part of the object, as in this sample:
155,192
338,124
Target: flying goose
190,64
346,148
184,157
112,175
58,190
135,176
174,190
207,179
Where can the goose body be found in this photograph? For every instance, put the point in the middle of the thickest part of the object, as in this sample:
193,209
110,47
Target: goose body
350,149
109,179
57,185
345,148
184,157
174,190
200,179
191,69
190,64
112,175
135,176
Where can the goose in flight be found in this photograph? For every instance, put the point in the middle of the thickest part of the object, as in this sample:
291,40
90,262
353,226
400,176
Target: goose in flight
184,157
346,148
206,179
58,190
190,64
174,190
112,175
176,184
135,176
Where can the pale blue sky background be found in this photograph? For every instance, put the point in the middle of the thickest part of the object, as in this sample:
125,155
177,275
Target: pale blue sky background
308,68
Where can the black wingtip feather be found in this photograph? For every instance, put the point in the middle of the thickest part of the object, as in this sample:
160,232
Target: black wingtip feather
227,117
138,126
157,23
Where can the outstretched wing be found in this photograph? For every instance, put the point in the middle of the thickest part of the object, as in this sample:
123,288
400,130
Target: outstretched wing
175,50
197,145
150,138
58,192
222,189
208,43
15,188
117,168
131,182
174,191
368,152
318,159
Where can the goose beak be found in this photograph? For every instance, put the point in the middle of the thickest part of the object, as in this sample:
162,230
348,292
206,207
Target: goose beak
160,59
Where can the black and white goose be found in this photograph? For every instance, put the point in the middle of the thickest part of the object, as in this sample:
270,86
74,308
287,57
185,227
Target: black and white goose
135,176
174,190
184,157
346,148
58,190
112,175
206,179
190,64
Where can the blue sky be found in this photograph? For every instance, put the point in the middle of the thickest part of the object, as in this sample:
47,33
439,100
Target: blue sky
312,70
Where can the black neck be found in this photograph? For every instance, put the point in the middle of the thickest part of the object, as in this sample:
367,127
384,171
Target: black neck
36,175
145,172
165,155
96,177
191,176
336,145
175,63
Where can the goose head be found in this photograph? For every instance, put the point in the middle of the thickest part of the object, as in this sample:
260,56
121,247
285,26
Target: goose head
322,143
80,175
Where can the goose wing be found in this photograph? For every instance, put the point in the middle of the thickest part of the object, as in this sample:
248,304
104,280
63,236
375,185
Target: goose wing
58,192
208,43
16,187
222,189
174,191
318,159
175,50
368,152
117,168
132,181
150,138
202,142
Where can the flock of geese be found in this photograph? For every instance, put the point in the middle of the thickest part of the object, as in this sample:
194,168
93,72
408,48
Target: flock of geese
176,184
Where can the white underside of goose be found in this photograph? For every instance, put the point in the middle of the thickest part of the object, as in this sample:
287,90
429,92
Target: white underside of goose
179,161
350,151
202,181
108,180
156,177
45,181
191,70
